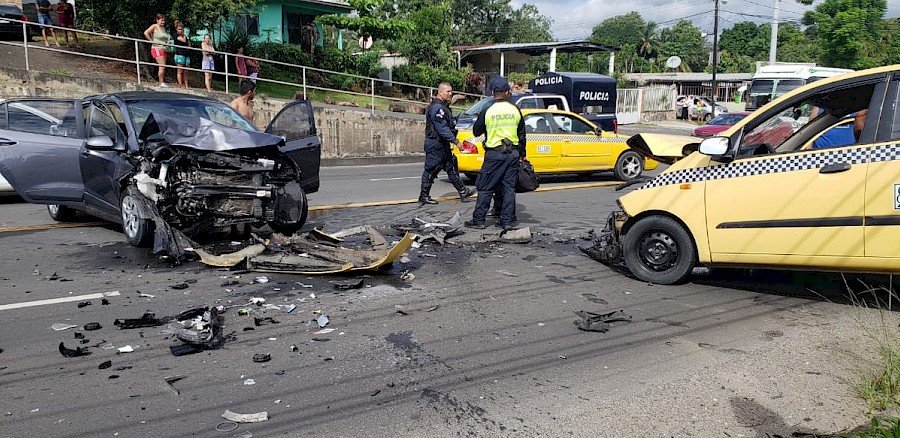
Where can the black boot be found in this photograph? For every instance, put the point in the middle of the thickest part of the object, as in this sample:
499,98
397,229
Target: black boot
465,195
425,197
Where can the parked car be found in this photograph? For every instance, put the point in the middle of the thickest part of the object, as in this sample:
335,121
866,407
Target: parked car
11,30
719,124
561,142
686,109
762,193
149,159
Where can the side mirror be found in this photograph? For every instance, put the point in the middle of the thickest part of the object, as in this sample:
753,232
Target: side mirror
598,130
714,146
100,143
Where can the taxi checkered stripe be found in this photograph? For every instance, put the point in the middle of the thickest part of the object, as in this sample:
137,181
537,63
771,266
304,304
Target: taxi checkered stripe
579,138
791,163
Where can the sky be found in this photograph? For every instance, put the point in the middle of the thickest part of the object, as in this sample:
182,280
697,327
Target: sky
574,19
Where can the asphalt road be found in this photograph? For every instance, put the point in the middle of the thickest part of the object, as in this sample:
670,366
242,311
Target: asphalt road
479,343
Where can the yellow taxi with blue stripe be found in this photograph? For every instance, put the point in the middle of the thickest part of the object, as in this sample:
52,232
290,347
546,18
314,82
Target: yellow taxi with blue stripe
561,142
809,181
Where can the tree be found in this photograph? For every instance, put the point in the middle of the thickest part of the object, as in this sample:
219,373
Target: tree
369,22
849,32
131,17
527,25
648,47
206,14
620,30
429,42
685,41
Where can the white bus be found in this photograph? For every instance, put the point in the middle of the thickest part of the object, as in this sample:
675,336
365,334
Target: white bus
771,81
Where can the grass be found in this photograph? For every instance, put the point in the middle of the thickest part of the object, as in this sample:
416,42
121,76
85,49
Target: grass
60,72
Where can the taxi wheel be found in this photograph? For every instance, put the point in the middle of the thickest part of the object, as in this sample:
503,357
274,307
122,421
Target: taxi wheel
629,166
60,213
657,249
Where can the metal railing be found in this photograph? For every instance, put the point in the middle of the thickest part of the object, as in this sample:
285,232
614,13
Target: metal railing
303,84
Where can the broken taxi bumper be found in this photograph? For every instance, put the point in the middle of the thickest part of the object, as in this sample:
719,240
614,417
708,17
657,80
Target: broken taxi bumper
607,247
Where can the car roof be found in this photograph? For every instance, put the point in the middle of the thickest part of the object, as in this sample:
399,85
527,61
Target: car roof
10,9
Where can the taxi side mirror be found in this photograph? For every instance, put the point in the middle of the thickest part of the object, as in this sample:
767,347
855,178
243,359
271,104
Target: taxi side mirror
598,131
714,146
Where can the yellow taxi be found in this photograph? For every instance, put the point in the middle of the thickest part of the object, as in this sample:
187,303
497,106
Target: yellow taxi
809,181
562,142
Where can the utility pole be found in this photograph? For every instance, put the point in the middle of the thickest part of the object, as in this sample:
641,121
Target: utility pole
715,56
773,40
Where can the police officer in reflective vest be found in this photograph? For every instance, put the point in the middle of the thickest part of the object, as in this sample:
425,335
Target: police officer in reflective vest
440,133
504,146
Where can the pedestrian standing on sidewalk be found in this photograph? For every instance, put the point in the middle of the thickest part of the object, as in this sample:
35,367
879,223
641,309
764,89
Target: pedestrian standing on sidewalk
504,147
440,137
208,64
161,40
43,7
65,15
182,55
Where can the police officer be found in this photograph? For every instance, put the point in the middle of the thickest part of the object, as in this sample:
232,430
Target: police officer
502,125
440,133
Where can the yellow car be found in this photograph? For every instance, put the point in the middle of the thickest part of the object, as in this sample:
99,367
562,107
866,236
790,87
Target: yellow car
562,142
809,181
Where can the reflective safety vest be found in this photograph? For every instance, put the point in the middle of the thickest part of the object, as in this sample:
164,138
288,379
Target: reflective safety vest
501,121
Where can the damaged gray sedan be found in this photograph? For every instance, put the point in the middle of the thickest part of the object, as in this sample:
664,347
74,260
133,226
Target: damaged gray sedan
154,160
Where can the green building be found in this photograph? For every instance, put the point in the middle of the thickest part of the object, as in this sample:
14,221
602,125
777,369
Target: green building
290,21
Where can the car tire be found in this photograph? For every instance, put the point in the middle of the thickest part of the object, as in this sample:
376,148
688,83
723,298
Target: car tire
61,213
629,166
138,231
289,228
471,176
659,250
707,117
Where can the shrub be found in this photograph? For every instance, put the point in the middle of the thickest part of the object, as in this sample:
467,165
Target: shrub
428,76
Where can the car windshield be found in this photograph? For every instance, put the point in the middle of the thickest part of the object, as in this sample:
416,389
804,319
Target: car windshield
474,110
216,111
726,119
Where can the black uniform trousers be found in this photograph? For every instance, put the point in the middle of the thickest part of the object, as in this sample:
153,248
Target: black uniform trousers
439,157
498,173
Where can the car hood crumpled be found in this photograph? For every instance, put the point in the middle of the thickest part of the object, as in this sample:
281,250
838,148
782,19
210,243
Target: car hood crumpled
204,134
665,148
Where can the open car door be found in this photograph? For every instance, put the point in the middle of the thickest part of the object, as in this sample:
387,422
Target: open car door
40,144
296,124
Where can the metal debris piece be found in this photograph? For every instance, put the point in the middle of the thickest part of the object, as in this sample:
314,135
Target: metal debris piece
260,358
200,327
105,365
68,352
427,228
407,276
288,308
599,322
322,320
349,284
169,383
245,418
92,326
60,326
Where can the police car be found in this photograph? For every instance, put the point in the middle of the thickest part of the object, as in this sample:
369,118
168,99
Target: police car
767,192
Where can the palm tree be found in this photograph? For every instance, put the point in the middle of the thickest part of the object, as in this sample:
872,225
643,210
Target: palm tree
648,48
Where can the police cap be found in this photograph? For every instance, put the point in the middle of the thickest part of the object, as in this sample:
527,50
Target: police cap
498,84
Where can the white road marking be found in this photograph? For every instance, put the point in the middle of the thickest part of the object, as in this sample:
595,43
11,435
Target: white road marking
395,179
114,293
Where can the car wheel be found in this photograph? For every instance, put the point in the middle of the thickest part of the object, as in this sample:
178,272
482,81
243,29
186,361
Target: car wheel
471,176
657,249
707,117
629,166
60,213
138,231
293,215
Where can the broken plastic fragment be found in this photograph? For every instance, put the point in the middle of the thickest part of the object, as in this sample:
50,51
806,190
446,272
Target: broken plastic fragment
288,308
322,320
92,326
105,365
179,286
142,295
245,418
260,357
407,276
126,349
84,304
147,320
68,352
324,331
104,302
261,280
60,326
249,382
350,284
258,301
599,322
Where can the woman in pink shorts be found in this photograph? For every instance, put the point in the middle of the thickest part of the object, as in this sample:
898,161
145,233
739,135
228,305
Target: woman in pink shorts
161,40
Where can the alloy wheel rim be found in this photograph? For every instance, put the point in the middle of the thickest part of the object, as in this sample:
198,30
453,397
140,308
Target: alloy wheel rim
658,251
631,166
129,216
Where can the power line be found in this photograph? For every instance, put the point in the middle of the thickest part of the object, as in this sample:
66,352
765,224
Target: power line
783,9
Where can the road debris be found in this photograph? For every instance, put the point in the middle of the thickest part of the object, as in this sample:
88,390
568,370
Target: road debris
104,302
257,301
324,331
349,284
84,304
68,352
143,295
148,319
599,322
170,381
426,228
322,320
310,254
105,365
60,326
199,328
227,426
92,326
432,308
245,418
261,280
249,382
264,321
126,349
407,276
288,308
512,235
260,358
179,286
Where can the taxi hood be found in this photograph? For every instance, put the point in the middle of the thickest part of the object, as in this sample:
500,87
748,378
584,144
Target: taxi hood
664,148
